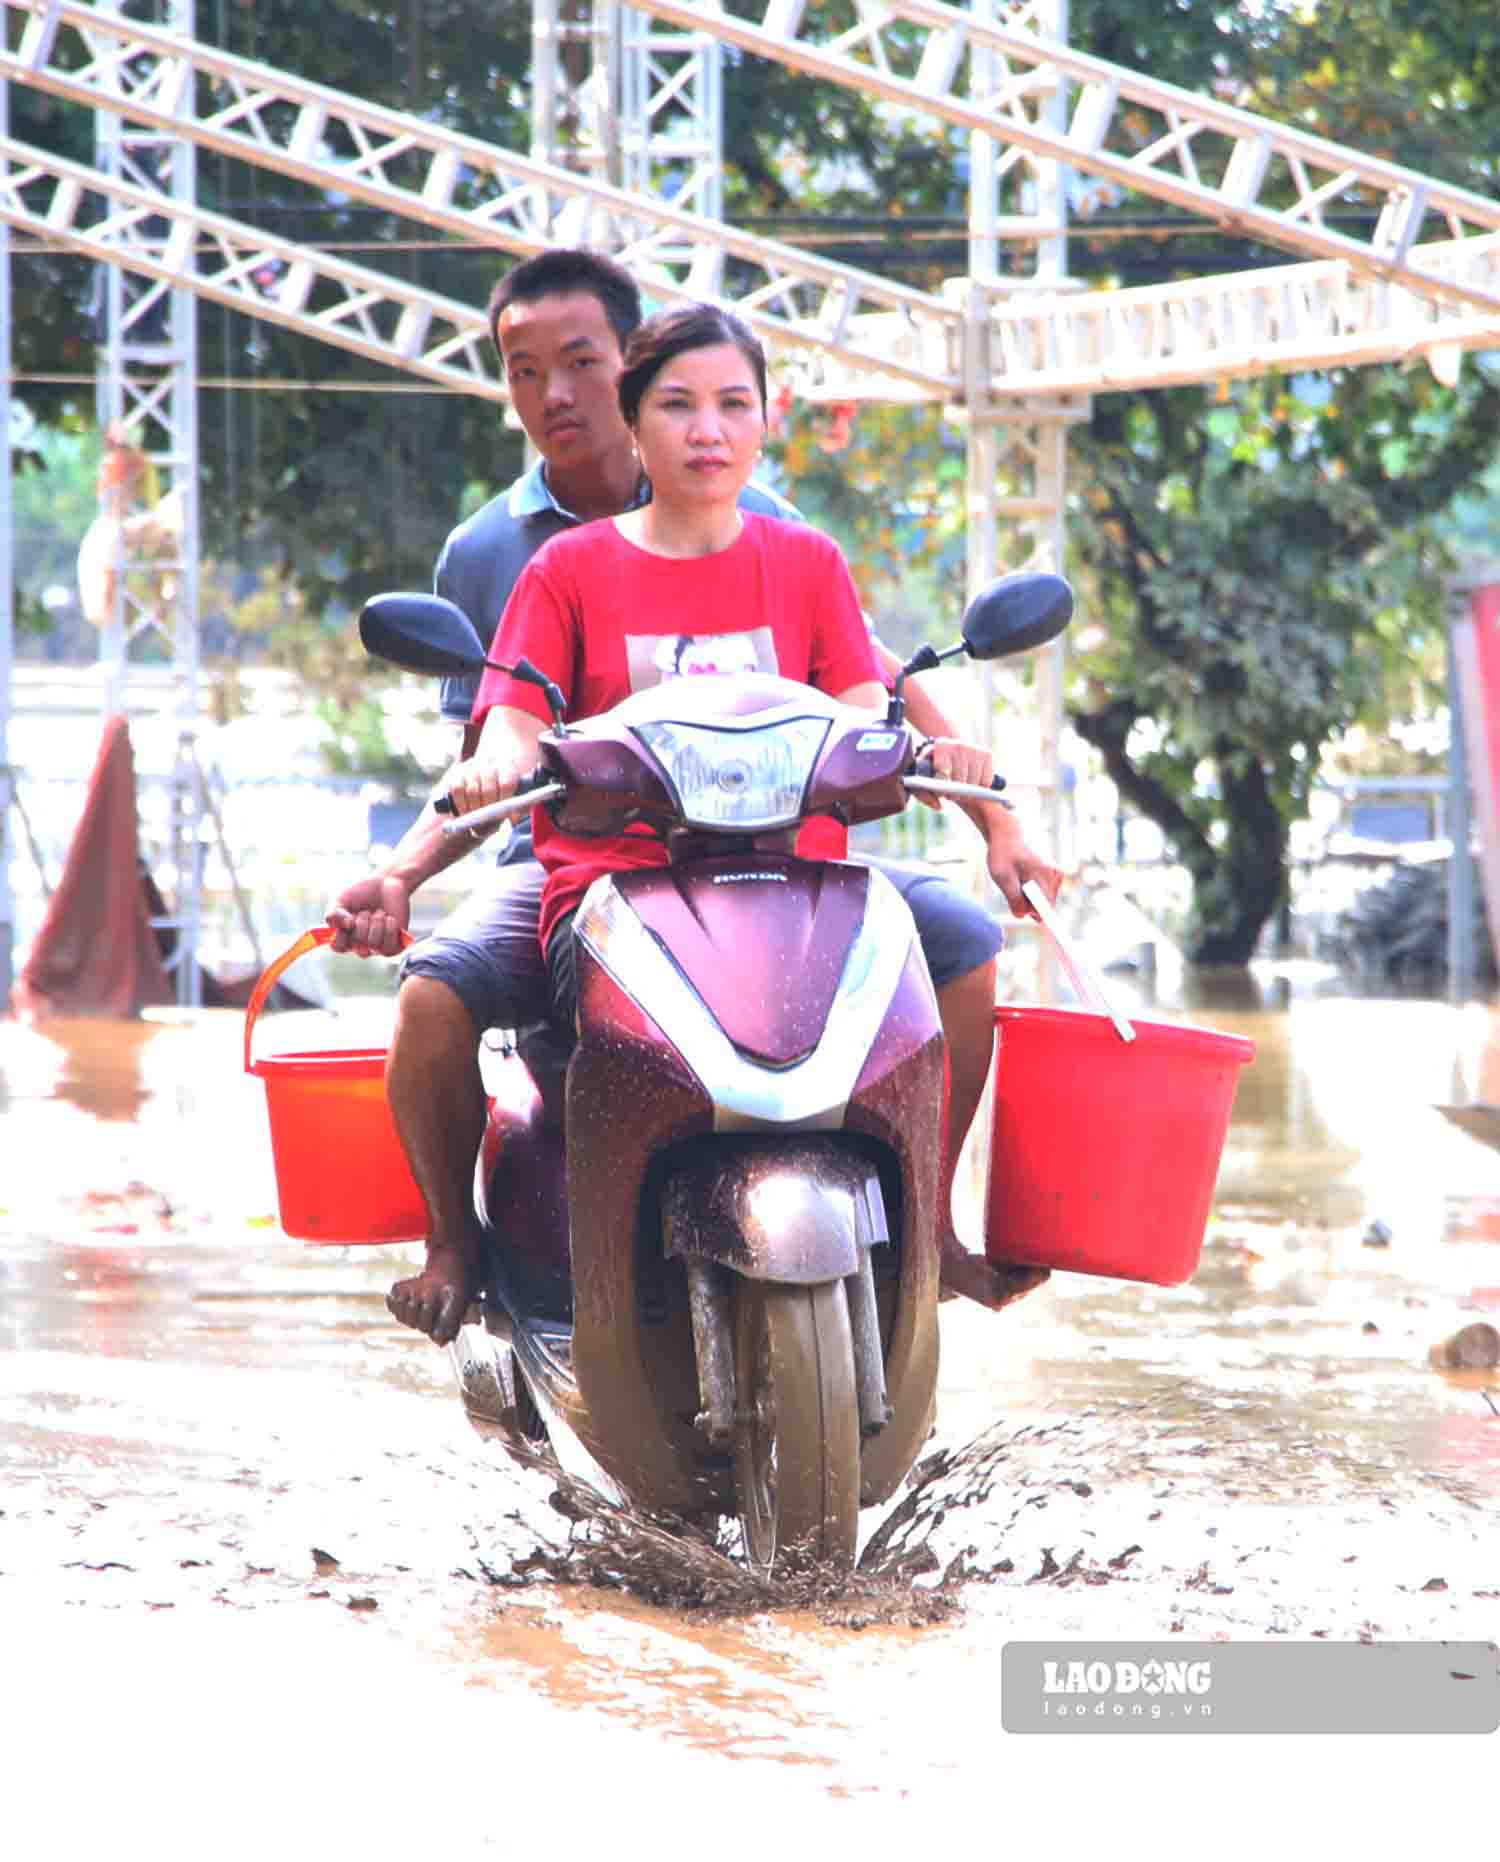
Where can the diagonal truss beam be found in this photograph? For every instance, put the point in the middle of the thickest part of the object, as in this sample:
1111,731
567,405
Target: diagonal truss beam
406,327
468,188
1228,165
853,335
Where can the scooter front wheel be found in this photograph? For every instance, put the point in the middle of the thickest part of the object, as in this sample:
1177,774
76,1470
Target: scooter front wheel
796,1437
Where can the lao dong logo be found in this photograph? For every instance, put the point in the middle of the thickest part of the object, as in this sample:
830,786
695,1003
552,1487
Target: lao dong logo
1124,1689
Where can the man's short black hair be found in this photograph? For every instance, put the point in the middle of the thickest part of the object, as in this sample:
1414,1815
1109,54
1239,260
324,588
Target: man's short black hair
570,269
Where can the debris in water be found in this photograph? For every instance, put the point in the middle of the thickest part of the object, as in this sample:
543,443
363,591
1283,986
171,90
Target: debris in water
1049,1567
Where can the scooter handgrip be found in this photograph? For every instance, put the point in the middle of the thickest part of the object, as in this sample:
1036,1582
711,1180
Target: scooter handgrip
536,780
923,767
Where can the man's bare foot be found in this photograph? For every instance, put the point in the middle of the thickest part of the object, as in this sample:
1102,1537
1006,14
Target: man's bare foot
971,1276
436,1300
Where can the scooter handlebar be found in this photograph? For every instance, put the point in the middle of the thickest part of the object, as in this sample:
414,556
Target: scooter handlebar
923,782
520,803
526,786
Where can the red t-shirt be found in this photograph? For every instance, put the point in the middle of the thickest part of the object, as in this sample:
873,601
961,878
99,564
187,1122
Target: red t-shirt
604,618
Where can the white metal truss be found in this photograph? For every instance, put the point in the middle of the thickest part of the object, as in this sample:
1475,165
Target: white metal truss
470,189
635,103
317,294
575,118
1307,316
1016,467
147,398
1226,165
854,336
672,113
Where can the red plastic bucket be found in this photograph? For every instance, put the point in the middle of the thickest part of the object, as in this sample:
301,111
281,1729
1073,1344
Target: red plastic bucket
1105,1153
341,1174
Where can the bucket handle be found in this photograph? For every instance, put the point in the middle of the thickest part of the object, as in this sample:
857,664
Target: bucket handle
1084,977
309,941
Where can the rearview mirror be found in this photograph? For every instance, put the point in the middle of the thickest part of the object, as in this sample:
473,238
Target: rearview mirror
421,633
1015,614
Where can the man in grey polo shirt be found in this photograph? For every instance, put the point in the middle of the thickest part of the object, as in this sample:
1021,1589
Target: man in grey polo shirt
560,323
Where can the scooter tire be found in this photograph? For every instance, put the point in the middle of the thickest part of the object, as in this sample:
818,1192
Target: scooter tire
797,1436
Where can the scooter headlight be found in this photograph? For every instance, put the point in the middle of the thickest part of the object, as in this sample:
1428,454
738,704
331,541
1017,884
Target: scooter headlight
750,780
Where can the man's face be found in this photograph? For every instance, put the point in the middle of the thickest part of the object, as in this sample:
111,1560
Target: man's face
563,364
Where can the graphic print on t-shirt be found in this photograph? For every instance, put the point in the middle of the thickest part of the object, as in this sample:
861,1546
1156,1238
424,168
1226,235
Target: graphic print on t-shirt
650,658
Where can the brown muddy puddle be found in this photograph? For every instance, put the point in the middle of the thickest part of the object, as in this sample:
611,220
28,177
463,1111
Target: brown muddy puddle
242,1513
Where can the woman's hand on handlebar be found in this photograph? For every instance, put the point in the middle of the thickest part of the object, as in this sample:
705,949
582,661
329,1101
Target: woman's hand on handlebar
480,781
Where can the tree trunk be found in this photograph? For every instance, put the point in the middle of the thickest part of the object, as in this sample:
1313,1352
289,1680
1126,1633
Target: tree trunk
1237,887
1249,881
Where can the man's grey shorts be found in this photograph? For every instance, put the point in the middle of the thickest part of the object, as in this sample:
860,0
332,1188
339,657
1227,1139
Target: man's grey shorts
487,952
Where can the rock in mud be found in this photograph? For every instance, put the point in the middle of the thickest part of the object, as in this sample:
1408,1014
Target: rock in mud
1471,1348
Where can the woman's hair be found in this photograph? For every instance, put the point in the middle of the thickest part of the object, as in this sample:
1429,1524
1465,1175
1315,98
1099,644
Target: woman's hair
671,332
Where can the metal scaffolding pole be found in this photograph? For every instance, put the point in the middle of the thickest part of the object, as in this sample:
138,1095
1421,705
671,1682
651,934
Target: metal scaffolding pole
671,104
633,103
1017,453
1459,822
146,395
575,120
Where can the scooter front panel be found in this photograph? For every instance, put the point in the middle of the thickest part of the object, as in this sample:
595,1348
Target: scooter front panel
762,938
748,1093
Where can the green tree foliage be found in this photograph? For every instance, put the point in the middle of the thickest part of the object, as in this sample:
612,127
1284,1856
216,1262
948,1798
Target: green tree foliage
1269,559
1265,580
53,502
321,650
1414,81
887,481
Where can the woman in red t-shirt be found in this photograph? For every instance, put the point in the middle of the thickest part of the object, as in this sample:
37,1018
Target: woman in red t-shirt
688,583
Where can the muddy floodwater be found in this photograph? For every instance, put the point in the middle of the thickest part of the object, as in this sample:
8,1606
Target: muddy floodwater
263,1591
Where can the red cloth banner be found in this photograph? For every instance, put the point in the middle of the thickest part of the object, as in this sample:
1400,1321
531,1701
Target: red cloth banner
96,953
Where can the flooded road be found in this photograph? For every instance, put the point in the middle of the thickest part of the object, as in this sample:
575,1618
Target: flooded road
257,1575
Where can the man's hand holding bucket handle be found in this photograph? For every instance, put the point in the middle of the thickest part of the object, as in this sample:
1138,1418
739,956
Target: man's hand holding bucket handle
1012,864
371,917
1011,861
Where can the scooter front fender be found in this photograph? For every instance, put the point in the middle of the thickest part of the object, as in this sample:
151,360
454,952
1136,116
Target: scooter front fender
795,1210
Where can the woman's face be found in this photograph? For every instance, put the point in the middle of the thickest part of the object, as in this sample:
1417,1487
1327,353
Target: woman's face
700,427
